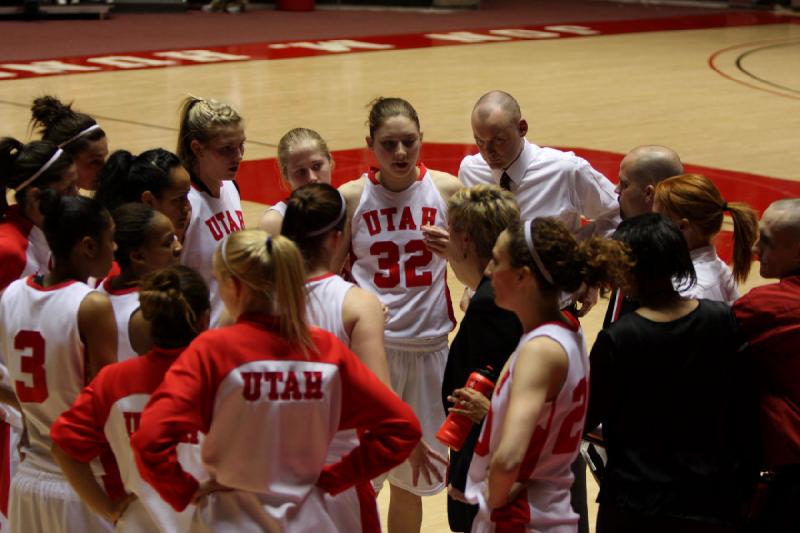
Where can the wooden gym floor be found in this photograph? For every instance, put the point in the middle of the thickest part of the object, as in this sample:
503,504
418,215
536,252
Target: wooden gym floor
721,88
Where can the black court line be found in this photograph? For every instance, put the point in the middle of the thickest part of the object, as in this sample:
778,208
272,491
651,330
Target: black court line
741,68
135,123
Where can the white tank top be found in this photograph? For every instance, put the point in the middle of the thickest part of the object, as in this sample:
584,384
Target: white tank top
212,219
125,302
280,207
554,444
326,296
44,354
392,260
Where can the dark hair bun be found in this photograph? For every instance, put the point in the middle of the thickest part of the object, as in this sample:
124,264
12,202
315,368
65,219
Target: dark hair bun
48,110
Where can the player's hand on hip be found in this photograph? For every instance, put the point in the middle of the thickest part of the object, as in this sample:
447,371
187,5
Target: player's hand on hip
207,488
423,462
118,507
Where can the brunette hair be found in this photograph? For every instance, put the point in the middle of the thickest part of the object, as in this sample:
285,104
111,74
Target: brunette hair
132,222
68,219
125,176
19,162
696,198
200,120
272,268
382,109
660,251
172,299
292,139
60,124
482,212
312,213
567,263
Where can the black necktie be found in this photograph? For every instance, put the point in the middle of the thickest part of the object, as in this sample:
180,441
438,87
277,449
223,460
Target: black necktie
505,181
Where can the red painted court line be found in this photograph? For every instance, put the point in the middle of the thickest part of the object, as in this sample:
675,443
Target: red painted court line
295,49
260,181
712,64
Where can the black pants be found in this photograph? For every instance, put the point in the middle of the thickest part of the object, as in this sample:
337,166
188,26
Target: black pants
611,520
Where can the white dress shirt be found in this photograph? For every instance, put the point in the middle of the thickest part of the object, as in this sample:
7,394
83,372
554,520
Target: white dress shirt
551,183
714,277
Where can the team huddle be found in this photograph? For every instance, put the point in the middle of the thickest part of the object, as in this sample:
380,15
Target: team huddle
167,369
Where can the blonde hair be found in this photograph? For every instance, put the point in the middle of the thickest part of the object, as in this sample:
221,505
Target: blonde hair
482,212
273,270
696,198
292,139
201,119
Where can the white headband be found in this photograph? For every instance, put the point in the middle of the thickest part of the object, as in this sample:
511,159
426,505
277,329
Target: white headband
333,224
79,135
41,171
534,254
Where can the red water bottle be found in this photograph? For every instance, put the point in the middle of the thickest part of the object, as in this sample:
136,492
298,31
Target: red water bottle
456,427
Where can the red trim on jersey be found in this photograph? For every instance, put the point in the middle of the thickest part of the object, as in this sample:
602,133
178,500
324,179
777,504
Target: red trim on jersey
32,283
118,292
574,324
320,277
372,173
617,309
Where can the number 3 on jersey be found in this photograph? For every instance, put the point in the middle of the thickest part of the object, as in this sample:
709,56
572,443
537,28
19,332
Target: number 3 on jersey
30,344
415,255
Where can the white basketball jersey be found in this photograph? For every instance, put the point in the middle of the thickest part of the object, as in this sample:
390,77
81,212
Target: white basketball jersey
326,295
212,219
553,446
392,260
125,302
44,355
280,207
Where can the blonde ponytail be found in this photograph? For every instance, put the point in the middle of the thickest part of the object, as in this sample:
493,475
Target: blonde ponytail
273,269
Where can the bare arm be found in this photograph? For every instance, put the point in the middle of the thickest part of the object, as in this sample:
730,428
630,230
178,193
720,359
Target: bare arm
98,331
363,317
447,184
539,374
271,222
139,333
80,476
352,194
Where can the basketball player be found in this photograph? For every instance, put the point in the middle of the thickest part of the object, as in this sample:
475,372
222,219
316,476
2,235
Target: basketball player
154,177
211,146
388,209
146,242
66,333
304,158
520,475
76,133
26,169
270,393
315,218
175,301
